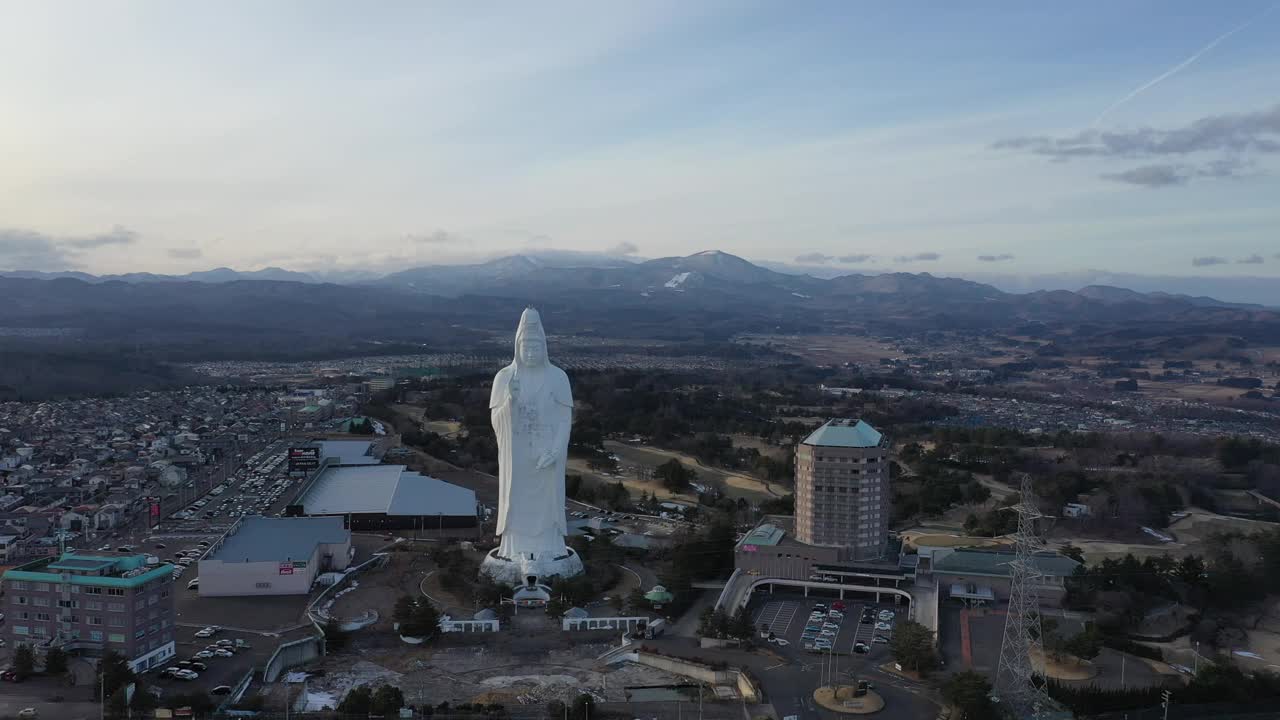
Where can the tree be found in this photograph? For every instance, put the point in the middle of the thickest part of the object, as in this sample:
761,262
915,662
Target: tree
335,638
582,707
24,661
1073,552
741,628
359,701
556,607
912,646
386,701
55,661
971,693
674,475
417,616
1085,645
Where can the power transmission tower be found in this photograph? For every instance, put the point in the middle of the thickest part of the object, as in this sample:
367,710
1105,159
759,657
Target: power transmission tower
1015,682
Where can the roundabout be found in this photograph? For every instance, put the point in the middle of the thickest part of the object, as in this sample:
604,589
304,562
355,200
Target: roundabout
845,699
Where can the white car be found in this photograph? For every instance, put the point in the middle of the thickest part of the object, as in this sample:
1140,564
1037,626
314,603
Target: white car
780,642
885,615
186,674
208,632
883,626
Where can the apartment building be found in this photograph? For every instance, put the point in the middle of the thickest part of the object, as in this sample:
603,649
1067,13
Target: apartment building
93,602
842,489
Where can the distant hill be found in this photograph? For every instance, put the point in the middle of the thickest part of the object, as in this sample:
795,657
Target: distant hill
216,275
710,296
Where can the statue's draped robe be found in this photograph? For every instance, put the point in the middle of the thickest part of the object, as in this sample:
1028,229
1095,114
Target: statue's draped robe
532,411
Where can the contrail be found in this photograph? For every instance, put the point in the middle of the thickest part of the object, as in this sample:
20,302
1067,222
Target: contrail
1182,65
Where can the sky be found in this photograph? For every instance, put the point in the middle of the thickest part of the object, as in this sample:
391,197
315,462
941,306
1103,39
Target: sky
1135,137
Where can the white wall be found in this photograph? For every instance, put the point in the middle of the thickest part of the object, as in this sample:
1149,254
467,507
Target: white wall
223,579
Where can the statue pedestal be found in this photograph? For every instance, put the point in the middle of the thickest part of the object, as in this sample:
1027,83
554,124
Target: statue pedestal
512,571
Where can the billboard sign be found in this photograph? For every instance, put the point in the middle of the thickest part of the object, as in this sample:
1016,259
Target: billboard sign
303,459
286,568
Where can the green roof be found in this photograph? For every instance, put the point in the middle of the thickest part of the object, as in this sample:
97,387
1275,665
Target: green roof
53,570
843,432
996,564
764,534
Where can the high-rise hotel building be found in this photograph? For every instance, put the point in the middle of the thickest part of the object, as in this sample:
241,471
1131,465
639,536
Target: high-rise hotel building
842,489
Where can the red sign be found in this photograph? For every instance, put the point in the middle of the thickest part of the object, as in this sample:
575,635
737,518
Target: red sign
286,568
749,548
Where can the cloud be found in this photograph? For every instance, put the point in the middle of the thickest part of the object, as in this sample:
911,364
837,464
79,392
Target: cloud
623,248
995,258
1237,133
1254,259
814,258
1233,137
118,235
187,253
33,250
855,259
1207,261
1156,176
30,250
918,257
439,237
1151,176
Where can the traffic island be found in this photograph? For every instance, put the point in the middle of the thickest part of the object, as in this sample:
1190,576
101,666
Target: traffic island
841,699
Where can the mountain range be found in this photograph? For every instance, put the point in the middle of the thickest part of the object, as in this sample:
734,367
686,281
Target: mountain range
511,271
707,296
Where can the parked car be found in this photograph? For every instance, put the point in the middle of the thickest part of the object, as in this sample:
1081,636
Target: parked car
883,626
28,713
224,653
886,615
221,690
208,631
861,648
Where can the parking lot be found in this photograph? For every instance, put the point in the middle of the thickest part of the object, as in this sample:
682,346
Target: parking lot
803,628
850,651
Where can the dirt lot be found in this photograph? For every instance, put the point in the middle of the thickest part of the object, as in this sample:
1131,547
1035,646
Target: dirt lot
482,672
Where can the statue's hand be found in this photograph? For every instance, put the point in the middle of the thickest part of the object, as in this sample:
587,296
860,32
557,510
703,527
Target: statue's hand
546,461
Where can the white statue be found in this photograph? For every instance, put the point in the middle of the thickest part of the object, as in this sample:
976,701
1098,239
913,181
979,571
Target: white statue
532,410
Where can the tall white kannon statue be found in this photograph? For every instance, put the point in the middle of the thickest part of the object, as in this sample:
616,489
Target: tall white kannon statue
531,407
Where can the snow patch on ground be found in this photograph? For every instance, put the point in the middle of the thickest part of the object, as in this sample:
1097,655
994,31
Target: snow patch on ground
317,701
677,281
509,680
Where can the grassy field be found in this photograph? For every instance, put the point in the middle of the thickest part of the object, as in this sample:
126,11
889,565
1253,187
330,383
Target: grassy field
736,484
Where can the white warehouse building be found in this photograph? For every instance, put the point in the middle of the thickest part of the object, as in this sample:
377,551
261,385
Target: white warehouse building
274,556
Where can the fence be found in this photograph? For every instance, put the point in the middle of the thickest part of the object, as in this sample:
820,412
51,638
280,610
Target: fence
628,624
466,626
237,691
292,654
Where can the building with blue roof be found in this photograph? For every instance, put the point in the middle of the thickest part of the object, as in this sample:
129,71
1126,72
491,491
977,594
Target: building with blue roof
274,556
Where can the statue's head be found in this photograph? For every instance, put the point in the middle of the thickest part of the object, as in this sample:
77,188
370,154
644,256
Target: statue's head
531,341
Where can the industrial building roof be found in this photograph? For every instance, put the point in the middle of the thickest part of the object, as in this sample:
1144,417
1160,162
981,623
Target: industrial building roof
987,562
349,452
264,539
386,489
843,432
